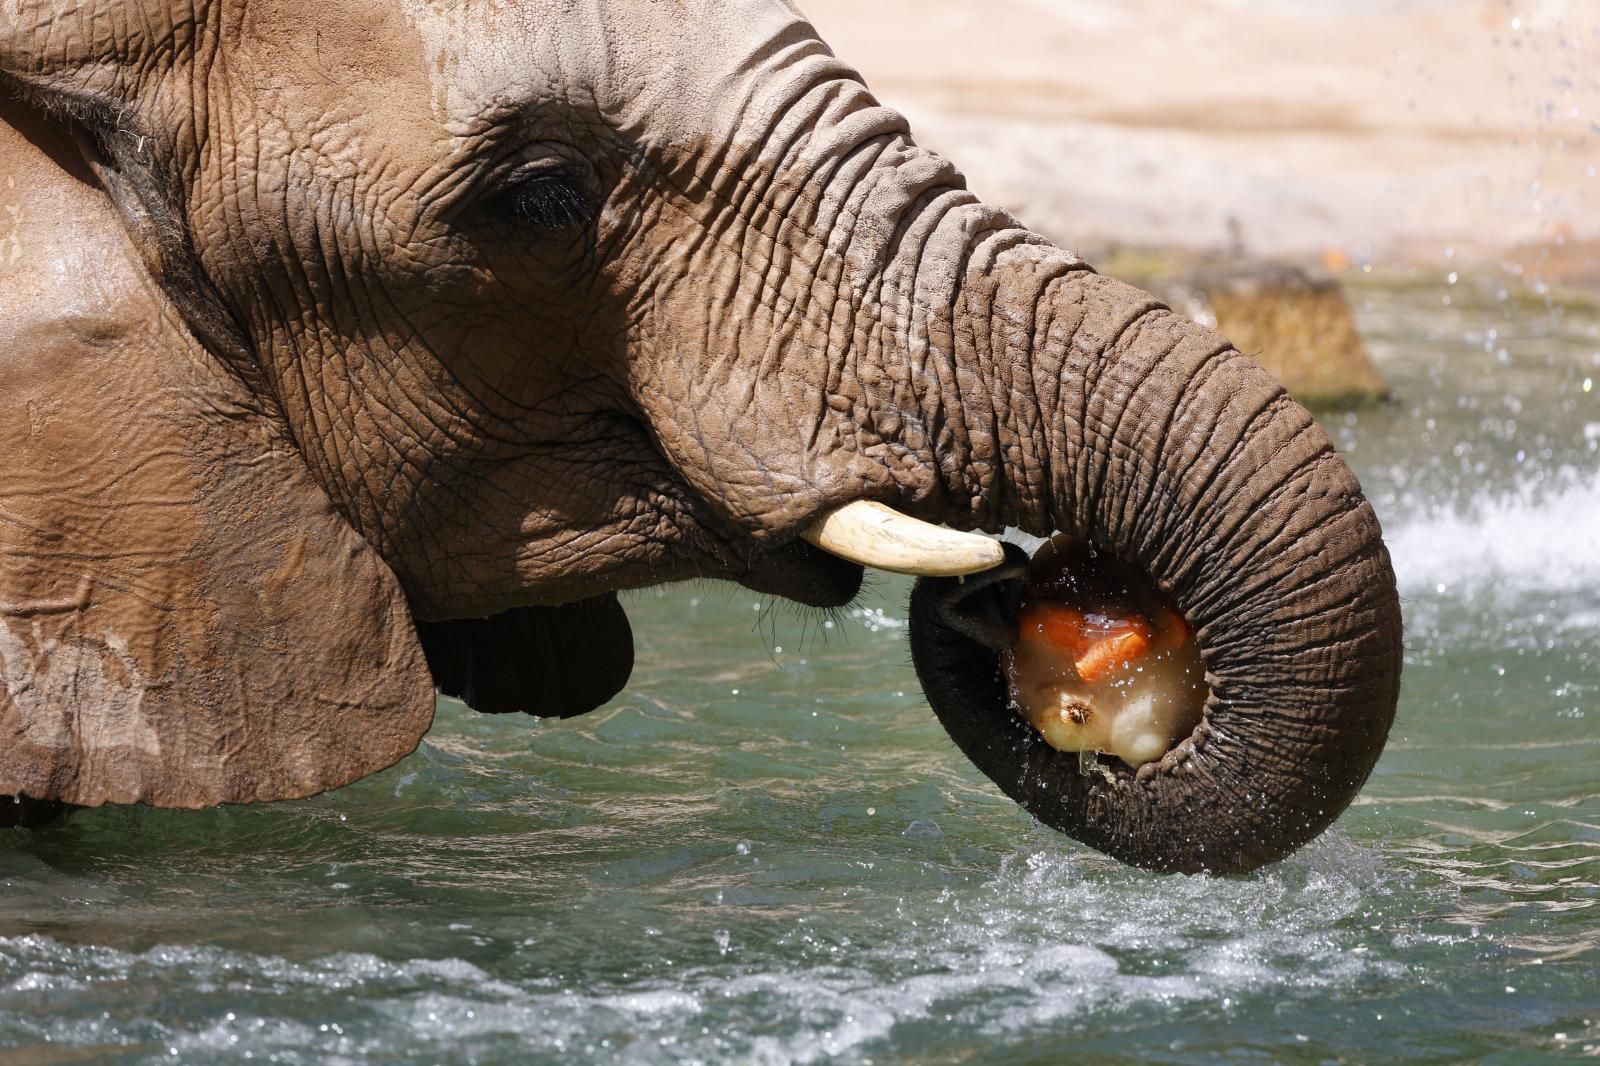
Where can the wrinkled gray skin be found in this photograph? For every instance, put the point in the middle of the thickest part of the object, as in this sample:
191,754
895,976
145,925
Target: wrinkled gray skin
545,299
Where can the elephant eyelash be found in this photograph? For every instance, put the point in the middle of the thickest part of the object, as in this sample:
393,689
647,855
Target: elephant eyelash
550,201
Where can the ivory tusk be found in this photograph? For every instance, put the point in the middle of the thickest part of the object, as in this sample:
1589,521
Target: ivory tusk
874,535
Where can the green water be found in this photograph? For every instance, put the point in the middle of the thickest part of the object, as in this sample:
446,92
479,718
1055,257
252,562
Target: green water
766,850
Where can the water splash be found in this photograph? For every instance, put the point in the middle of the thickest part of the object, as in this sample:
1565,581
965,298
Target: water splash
1048,938
1531,540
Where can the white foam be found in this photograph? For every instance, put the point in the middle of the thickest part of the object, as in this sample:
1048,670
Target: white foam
1534,540
1054,937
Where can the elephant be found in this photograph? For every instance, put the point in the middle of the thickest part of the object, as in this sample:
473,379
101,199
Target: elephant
352,350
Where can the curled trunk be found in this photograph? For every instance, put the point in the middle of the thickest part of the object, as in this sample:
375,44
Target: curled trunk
891,338
1119,422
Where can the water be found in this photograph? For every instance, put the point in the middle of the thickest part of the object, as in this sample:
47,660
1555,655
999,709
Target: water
766,850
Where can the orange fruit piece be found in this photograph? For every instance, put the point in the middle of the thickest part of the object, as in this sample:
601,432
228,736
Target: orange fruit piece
1096,648
1123,646
1057,625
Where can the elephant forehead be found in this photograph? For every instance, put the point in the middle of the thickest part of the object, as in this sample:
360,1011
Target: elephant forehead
302,61
670,70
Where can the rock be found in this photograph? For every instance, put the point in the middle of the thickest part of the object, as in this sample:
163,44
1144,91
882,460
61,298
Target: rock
1297,326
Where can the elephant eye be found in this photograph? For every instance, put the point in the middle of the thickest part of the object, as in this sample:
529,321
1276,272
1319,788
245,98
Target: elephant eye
553,200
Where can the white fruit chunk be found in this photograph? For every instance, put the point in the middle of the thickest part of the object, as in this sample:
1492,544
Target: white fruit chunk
1130,686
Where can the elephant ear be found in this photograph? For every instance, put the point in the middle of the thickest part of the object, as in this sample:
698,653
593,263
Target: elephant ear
553,662
184,618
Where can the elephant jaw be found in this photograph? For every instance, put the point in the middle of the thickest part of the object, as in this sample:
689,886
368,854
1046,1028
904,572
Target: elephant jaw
799,572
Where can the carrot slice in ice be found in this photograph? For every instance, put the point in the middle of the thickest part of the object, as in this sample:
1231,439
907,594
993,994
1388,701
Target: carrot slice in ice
1127,645
1096,647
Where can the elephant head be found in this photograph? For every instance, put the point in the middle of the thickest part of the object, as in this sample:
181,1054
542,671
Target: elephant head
350,348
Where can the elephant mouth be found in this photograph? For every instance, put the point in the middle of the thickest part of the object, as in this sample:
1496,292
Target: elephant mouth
1253,768
969,640
803,573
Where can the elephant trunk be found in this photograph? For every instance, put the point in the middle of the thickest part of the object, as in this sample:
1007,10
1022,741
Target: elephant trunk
1093,411
888,337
